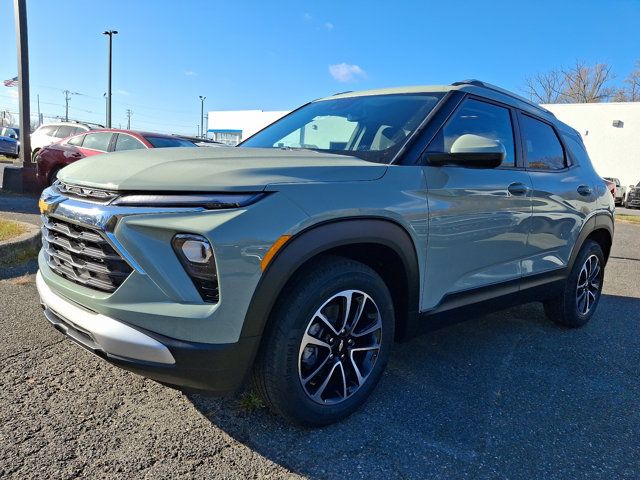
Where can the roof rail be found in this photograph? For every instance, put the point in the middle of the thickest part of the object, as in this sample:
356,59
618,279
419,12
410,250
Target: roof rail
489,86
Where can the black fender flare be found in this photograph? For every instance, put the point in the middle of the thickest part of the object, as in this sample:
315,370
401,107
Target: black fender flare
323,237
599,221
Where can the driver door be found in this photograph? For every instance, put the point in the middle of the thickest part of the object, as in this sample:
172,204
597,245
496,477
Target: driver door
478,217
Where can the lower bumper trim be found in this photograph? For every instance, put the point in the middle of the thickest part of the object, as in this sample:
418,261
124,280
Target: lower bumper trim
98,332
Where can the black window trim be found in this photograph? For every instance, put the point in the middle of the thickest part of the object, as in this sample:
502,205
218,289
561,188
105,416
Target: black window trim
568,160
519,163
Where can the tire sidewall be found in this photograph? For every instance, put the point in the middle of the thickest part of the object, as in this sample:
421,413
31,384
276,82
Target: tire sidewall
310,295
571,306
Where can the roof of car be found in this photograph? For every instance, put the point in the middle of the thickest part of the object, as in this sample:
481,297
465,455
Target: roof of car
472,86
134,132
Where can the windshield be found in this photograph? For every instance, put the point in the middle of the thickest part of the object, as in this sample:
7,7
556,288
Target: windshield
372,127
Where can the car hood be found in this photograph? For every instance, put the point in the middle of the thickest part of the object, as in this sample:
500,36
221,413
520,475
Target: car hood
215,169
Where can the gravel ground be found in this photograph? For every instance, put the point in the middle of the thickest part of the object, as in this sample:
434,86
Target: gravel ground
507,395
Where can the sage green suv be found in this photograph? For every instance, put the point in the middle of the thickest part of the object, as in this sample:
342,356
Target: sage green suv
298,258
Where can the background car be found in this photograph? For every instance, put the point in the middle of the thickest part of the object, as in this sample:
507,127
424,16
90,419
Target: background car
202,142
49,133
611,186
10,141
633,197
621,191
52,158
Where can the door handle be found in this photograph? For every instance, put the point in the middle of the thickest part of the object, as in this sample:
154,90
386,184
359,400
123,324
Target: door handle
518,188
584,190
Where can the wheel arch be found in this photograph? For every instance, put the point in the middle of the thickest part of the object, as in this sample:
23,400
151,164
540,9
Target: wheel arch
599,228
382,244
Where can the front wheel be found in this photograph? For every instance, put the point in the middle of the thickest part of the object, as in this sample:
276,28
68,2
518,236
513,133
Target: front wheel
328,342
578,301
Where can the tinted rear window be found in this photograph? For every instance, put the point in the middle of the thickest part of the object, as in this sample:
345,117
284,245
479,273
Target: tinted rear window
164,142
541,145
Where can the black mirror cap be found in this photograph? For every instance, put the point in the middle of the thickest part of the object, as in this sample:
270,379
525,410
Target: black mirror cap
472,160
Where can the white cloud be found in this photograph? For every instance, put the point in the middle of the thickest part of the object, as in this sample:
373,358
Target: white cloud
190,73
328,26
344,72
307,16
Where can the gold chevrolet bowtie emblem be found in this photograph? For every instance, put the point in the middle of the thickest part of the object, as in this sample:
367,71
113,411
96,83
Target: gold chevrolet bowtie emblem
44,206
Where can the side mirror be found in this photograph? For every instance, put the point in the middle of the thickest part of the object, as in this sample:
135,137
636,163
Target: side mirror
471,151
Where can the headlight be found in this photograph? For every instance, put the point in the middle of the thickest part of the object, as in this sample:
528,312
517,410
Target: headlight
196,255
203,200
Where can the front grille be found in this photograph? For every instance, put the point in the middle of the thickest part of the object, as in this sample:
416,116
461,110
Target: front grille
82,255
86,193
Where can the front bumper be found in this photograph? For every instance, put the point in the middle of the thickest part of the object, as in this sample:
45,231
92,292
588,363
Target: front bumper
634,202
216,368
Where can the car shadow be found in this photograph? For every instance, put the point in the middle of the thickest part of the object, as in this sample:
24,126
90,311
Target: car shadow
483,397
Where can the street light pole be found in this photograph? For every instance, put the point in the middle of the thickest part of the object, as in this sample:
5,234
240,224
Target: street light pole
202,99
20,8
110,33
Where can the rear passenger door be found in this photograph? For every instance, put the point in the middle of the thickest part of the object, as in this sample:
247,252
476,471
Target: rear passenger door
478,217
560,196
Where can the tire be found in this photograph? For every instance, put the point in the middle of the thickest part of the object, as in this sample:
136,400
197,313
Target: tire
313,385
53,176
579,299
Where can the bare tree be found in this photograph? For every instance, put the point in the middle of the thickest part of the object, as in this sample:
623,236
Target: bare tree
546,87
631,92
587,84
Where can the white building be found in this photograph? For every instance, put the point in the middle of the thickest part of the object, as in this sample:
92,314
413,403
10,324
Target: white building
231,127
611,132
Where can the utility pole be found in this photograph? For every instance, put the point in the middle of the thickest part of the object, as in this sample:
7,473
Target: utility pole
129,119
202,99
110,33
39,114
28,170
67,97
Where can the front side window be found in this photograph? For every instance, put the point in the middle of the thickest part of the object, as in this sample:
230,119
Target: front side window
475,117
371,127
76,141
127,142
97,141
541,145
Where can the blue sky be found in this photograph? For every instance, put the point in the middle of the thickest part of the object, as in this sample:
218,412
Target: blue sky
276,55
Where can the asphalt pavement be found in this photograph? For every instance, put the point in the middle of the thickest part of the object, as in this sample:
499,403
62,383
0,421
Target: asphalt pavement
508,395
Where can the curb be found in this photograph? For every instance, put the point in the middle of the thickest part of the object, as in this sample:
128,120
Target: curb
16,250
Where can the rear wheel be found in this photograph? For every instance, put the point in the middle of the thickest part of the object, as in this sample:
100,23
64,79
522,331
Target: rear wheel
328,342
579,299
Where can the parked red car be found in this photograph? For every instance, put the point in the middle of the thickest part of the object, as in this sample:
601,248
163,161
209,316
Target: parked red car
52,158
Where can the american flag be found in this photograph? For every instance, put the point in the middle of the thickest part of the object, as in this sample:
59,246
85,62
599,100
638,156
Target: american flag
12,82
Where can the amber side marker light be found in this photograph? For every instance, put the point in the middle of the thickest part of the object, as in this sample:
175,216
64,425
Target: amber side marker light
277,245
